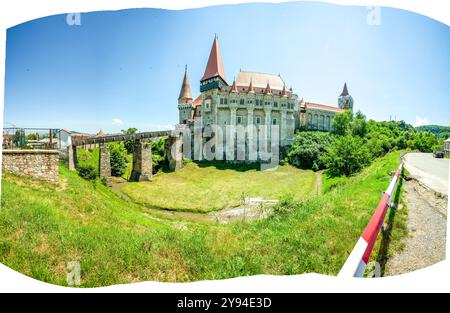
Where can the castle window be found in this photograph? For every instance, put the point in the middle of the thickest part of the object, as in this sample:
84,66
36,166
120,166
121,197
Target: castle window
274,121
258,120
239,120
221,100
225,101
242,102
275,104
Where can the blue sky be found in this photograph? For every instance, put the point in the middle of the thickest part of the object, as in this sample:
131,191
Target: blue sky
124,69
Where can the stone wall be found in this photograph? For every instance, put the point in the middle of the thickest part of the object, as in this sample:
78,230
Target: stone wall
39,164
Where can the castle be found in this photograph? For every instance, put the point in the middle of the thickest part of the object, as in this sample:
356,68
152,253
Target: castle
253,98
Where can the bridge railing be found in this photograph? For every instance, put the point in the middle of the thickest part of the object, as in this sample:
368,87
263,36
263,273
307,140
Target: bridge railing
121,137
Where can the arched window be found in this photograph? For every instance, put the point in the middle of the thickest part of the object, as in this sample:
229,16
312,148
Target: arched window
316,121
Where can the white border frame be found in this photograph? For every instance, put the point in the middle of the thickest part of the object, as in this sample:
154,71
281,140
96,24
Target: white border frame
434,278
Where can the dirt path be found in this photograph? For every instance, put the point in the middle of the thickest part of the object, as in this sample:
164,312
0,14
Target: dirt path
427,225
318,184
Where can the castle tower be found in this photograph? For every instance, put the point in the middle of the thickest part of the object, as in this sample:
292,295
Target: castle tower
345,101
214,76
185,106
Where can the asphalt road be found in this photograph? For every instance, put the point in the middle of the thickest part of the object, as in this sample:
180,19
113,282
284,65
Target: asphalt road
432,172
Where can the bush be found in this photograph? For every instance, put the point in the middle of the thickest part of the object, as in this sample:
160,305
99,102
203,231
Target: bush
308,148
158,154
87,171
347,156
342,123
118,158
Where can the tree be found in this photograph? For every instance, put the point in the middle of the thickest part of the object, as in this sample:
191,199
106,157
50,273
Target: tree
308,148
158,154
129,144
359,125
347,156
118,158
342,123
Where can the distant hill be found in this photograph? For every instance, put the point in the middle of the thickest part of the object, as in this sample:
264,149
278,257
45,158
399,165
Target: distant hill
440,131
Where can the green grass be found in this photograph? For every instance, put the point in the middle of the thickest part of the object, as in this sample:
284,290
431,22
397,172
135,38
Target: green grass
204,187
90,157
43,227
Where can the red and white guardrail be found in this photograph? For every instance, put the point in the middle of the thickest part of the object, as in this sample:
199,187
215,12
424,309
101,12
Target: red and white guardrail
356,263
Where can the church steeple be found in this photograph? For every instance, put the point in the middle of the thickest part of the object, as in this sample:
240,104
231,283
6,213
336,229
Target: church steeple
345,100
185,92
345,91
214,68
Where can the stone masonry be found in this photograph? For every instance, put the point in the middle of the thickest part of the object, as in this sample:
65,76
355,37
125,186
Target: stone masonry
142,161
39,164
104,165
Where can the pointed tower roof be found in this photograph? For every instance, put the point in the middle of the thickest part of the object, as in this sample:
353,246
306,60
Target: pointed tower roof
283,92
100,133
185,92
250,87
215,65
234,86
268,91
345,91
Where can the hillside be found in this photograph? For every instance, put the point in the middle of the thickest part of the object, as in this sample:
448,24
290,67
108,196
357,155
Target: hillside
43,227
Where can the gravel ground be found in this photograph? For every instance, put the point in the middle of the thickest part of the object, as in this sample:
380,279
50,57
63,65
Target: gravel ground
427,225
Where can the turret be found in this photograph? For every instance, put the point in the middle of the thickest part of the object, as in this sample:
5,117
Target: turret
185,106
214,76
345,100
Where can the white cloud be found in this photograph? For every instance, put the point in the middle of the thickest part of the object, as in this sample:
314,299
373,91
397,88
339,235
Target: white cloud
117,121
421,121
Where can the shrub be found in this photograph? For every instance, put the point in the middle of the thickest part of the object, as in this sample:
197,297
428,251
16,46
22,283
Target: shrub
347,156
158,154
342,123
308,148
87,171
118,158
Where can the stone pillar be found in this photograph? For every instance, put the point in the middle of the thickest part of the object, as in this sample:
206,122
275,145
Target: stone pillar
251,144
142,161
283,127
174,152
104,163
72,157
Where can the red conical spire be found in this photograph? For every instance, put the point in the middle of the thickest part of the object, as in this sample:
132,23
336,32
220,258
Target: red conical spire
234,87
268,91
215,65
283,92
250,87
185,92
345,91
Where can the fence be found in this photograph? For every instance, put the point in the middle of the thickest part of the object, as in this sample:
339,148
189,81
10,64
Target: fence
31,138
356,264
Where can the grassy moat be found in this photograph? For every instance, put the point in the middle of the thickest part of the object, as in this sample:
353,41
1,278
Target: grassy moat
43,227
205,186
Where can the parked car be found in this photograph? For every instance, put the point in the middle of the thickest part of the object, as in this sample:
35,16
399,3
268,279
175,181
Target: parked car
439,154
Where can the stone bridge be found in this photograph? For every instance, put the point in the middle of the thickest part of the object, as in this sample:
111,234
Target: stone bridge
142,155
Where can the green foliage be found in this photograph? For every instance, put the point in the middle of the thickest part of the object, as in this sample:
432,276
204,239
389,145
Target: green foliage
129,144
342,123
158,154
118,242
359,125
32,137
118,158
347,156
442,132
308,149
87,171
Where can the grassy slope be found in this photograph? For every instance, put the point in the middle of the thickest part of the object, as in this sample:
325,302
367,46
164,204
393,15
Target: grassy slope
198,187
42,227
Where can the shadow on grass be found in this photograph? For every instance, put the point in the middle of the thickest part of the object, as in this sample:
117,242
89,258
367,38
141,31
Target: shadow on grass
387,232
221,165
